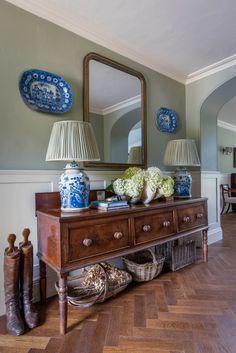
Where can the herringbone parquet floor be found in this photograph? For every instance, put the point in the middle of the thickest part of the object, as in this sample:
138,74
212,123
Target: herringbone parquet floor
192,310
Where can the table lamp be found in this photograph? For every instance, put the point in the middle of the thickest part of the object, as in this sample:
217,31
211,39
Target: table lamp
135,155
73,141
182,153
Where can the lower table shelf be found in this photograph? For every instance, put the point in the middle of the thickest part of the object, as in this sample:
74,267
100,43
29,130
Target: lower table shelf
70,241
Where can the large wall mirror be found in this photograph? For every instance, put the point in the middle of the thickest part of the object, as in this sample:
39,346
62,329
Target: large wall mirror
115,104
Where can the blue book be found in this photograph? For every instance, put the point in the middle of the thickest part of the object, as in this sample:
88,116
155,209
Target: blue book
109,204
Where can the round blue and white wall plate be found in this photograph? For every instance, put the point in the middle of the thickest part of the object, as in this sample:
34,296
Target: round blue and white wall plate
166,120
44,91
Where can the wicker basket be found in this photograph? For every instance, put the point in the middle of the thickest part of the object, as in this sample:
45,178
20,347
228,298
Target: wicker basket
144,265
95,285
183,255
178,255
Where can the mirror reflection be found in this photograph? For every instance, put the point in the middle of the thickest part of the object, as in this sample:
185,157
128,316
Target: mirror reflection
115,108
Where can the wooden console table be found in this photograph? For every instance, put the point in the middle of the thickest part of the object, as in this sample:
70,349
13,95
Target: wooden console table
68,241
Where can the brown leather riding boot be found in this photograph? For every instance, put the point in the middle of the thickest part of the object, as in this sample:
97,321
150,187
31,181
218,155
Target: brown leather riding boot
15,324
31,315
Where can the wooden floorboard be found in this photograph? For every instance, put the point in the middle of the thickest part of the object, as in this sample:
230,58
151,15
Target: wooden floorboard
192,310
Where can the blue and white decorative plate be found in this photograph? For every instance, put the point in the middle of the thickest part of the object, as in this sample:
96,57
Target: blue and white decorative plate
42,90
166,120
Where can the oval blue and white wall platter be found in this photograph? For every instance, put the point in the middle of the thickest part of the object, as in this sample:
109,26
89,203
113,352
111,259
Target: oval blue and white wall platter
166,120
45,91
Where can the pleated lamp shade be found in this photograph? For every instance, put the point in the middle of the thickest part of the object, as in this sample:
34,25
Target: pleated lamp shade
135,155
181,153
72,141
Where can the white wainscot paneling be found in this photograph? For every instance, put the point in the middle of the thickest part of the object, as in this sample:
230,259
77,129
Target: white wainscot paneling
17,209
210,182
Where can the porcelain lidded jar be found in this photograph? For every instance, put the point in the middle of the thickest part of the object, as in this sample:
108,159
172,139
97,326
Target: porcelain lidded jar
74,188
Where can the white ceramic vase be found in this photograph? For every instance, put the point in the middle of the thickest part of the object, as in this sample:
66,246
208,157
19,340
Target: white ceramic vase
134,200
147,194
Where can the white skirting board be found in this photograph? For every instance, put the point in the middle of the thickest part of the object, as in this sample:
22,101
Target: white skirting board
210,188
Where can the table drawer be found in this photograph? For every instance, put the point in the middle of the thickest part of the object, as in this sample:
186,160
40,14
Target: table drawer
97,238
191,217
154,226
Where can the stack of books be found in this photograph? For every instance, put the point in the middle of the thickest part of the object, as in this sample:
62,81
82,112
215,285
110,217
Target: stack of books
109,205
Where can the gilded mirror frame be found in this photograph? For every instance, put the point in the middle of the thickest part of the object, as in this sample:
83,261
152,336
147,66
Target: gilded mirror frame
130,71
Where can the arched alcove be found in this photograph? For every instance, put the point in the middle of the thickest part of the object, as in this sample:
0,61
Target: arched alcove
208,123
120,132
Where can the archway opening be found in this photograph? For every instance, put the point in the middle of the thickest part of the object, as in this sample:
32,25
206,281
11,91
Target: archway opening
208,121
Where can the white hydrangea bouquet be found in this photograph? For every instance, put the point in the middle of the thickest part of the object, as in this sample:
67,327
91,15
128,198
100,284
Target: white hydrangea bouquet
143,185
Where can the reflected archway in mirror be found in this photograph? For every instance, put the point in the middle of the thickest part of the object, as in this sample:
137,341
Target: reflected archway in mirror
115,104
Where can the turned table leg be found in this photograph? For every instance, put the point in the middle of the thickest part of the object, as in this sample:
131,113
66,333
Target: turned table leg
62,294
42,281
205,245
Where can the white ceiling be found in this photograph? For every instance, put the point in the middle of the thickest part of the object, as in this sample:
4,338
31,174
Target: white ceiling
110,88
183,39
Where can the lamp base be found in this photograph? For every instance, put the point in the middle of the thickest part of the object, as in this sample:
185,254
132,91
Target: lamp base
68,209
183,184
74,189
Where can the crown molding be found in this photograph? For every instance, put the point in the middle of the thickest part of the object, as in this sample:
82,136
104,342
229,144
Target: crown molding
95,110
124,104
211,69
48,13
226,126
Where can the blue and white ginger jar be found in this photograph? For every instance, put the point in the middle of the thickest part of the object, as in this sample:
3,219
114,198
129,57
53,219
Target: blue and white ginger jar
74,188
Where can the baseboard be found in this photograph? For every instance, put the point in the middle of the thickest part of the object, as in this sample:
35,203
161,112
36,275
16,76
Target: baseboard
215,235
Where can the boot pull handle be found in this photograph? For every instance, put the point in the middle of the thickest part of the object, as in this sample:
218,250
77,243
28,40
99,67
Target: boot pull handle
26,233
11,241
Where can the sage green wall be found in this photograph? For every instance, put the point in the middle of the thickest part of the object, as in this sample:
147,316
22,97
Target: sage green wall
27,41
226,138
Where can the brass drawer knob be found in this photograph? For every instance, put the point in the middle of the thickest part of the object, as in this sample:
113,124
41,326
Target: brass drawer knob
186,219
199,215
87,242
166,224
147,228
118,235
